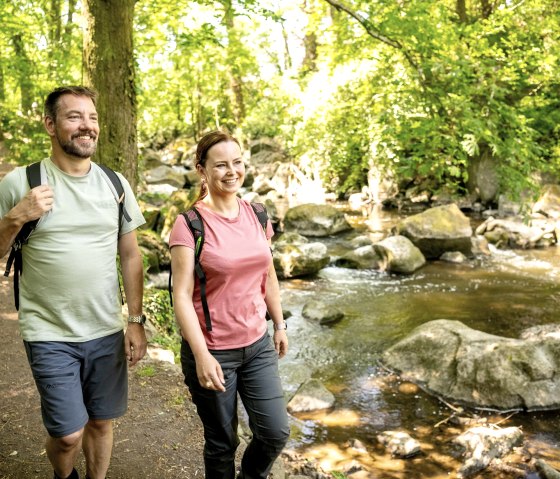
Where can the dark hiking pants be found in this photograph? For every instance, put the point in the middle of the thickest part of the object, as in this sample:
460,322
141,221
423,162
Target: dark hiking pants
253,373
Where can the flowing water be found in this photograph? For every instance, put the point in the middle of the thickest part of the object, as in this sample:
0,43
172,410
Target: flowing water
502,294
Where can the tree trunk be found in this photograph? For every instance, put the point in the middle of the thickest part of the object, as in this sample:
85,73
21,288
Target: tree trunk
461,11
55,22
235,80
109,68
2,84
25,68
70,18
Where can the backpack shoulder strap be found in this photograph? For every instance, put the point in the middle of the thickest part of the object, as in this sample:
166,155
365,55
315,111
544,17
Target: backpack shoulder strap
262,215
116,187
196,226
35,176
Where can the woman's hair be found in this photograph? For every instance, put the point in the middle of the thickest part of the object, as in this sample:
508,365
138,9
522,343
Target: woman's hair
206,142
51,103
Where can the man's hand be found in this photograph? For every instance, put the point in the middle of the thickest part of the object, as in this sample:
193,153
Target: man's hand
135,343
35,203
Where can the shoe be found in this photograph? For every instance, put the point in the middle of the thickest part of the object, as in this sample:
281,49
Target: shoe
73,475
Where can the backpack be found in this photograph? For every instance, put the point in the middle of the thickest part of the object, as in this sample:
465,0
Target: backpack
196,225
36,176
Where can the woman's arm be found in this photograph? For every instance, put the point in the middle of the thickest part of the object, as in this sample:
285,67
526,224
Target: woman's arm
208,370
274,307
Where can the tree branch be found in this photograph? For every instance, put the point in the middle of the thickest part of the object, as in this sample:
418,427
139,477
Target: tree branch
372,32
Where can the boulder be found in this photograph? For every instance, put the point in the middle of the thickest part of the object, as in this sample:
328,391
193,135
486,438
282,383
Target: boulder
481,445
514,233
321,312
437,230
179,201
294,256
484,179
312,395
154,247
549,202
165,175
364,257
399,255
399,444
479,369
315,220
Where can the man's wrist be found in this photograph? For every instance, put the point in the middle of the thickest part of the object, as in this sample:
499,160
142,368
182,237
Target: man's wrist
138,319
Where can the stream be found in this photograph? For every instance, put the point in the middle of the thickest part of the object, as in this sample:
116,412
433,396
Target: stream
501,294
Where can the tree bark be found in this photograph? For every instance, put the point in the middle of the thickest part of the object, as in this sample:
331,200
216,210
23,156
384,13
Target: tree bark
235,79
70,18
55,22
461,8
109,68
24,68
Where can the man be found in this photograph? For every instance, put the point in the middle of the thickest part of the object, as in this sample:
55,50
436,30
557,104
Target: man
70,307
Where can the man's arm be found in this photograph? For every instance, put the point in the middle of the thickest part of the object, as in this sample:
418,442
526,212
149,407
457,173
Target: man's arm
33,205
133,282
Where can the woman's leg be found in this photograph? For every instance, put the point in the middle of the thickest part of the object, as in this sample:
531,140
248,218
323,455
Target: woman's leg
261,391
218,413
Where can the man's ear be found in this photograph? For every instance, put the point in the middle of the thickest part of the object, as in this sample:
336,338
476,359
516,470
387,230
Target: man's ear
49,125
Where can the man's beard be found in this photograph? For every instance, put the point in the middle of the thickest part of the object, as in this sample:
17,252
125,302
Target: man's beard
73,148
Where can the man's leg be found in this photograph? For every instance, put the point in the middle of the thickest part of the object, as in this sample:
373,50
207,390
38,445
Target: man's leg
105,392
97,445
56,369
62,452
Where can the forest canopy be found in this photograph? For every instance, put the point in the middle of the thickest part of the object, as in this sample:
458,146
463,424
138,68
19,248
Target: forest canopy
414,89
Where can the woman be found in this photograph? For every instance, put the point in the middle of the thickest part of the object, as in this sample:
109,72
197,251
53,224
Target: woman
236,354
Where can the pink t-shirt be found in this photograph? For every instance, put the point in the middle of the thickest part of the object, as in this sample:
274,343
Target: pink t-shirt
235,258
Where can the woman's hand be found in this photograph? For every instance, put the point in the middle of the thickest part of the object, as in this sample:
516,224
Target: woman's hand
280,339
209,372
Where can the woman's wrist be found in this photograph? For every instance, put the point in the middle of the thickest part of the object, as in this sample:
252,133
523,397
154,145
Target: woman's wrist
280,326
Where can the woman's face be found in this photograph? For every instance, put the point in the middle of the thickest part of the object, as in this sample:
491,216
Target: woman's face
224,171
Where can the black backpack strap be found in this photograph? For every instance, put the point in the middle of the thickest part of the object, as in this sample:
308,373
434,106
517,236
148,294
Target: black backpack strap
33,173
262,215
196,225
118,192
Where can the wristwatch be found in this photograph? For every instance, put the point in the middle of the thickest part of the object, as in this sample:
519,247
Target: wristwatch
141,319
281,326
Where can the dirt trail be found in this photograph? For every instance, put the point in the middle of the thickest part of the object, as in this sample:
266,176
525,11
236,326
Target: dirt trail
159,437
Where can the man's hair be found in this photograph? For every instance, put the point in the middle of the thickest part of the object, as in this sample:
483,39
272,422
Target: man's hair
51,103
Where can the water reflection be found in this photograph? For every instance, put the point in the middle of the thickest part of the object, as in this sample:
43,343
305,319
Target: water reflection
502,294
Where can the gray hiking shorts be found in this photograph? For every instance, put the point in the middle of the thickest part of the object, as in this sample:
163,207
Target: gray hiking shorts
79,381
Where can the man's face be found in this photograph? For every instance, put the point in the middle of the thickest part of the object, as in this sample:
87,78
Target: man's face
76,128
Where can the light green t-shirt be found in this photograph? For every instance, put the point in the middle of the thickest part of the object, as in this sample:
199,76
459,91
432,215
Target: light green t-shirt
69,285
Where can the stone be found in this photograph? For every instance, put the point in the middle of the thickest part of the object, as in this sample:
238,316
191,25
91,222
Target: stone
477,369
482,444
315,220
399,255
437,230
293,260
312,395
399,444
321,312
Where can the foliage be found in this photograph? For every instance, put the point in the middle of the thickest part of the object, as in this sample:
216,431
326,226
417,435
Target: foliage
417,88
440,92
37,55
158,310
